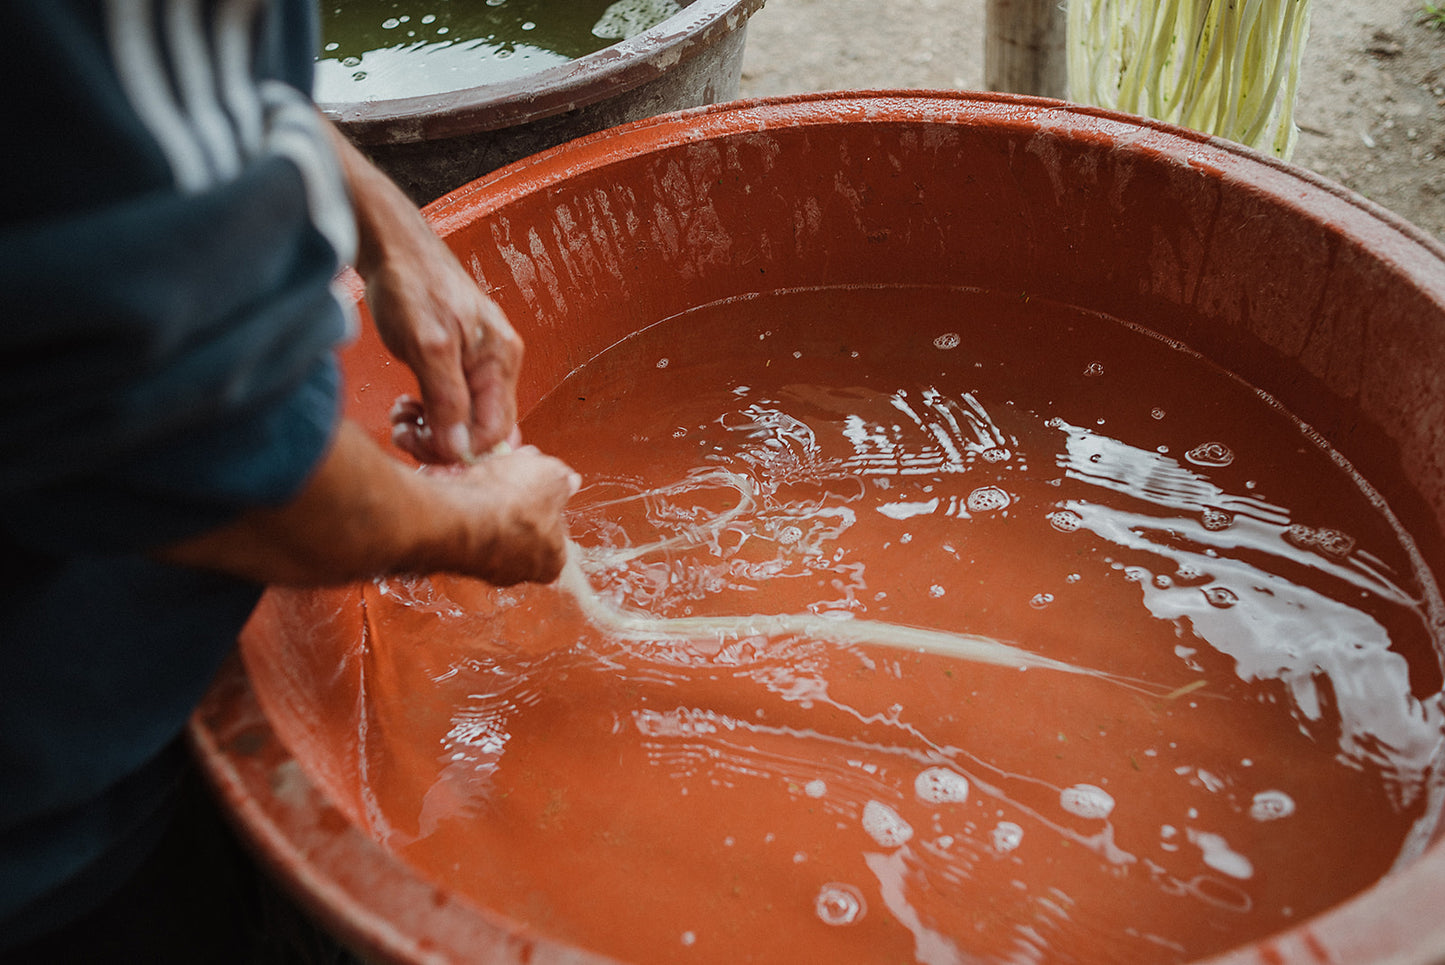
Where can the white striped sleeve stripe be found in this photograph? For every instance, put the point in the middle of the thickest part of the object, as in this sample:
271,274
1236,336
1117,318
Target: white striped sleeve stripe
201,101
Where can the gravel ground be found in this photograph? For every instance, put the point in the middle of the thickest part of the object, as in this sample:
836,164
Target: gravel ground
1371,108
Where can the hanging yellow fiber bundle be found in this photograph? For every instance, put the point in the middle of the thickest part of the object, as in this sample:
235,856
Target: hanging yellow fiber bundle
1226,67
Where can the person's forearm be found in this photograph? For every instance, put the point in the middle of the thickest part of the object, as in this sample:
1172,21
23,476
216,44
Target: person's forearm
361,513
385,216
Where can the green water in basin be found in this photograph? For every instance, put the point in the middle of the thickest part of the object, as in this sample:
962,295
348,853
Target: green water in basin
384,49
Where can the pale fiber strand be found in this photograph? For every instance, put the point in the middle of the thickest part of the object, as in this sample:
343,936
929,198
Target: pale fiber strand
1224,67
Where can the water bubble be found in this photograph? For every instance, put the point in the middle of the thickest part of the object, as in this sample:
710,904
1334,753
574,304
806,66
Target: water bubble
1065,521
947,341
1300,536
1156,413
1136,574
839,904
1210,454
939,785
359,75
1216,519
988,499
1086,801
529,25
885,826
1334,544
1187,573
1073,578
789,535
1220,597
1327,542
815,788
429,18
662,363
1093,370
390,23
689,938
936,591
1271,806
1040,600
1163,582
1007,836
351,61
995,454
679,432
332,46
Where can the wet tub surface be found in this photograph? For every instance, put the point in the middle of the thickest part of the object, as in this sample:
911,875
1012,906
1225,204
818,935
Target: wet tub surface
1063,481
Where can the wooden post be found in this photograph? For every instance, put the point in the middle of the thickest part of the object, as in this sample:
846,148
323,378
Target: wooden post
1024,49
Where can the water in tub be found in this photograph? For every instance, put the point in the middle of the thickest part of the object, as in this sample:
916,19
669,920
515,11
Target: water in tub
918,625
384,49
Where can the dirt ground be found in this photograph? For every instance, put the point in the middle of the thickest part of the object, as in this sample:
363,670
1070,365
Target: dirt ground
1371,110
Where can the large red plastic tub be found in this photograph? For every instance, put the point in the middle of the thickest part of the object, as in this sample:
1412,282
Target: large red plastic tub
1332,305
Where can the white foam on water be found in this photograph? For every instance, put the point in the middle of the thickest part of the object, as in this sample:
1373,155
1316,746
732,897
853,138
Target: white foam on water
1218,855
885,826
1213,455
988,499
1007,836
1271,806
907,510
1086,801
939,785
839,904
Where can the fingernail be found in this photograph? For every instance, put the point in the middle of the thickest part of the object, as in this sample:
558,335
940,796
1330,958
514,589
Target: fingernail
460,441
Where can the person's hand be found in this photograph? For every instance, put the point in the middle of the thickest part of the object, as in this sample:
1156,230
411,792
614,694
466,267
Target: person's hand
432,316
364,513
514,501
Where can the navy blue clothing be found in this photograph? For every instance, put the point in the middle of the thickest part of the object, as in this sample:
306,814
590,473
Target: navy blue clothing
171,219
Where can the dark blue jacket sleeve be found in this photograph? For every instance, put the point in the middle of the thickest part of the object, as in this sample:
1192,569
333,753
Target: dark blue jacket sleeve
168,235
171,220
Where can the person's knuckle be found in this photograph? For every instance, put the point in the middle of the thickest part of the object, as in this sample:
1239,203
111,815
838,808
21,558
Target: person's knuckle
434,344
